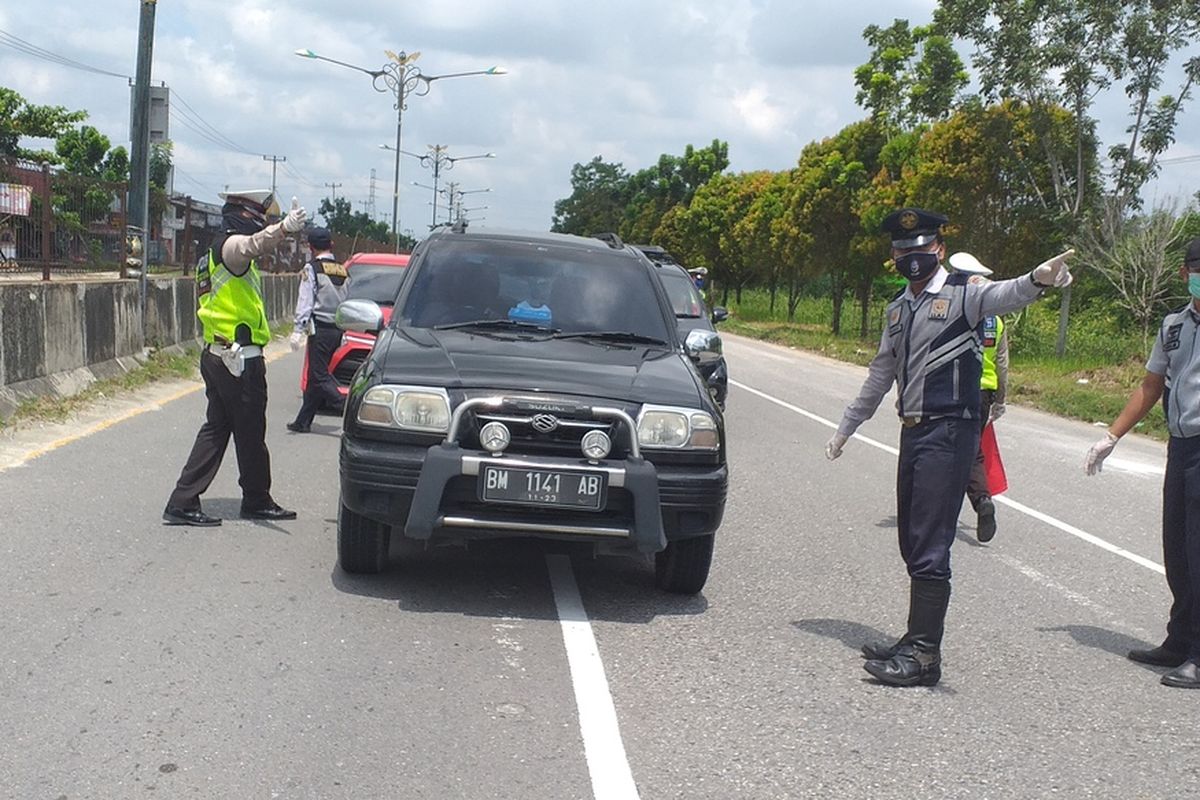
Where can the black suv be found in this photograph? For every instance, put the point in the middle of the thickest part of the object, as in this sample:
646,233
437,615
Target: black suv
531,384
692,314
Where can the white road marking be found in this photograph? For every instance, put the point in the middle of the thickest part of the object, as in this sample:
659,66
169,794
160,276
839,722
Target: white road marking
1013,504
602,745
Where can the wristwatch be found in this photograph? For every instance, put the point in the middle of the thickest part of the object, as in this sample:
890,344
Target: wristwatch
1035,283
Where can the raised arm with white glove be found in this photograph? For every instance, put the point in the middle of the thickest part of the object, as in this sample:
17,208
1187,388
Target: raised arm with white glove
1100,450
1054,272
294,221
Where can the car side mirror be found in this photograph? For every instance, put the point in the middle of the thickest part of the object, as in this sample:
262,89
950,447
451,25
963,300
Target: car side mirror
719,314
700,341
361,316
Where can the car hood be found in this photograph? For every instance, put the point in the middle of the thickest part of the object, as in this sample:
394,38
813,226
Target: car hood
457,359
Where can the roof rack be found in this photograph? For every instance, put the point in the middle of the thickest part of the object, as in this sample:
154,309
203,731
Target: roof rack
460,225
610,238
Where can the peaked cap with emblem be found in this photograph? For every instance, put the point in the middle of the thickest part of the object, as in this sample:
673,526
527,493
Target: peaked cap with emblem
913,227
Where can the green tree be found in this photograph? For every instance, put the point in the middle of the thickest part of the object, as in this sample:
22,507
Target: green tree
672,181
356,228
708,228
90,179
754,233
913,75
21,119
599,194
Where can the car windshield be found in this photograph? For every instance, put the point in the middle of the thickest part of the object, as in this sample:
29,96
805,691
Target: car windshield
558,288
681,291
377,282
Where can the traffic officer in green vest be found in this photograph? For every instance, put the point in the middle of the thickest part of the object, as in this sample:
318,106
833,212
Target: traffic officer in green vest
930,348
235,374
993,387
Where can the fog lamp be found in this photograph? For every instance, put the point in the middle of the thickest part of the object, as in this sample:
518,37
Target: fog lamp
595,445
494,437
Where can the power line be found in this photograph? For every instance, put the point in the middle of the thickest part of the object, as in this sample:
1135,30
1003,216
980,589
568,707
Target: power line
9,40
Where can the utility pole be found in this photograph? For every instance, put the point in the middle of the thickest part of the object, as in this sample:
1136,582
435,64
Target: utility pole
334,187
274,160
139,171
371,197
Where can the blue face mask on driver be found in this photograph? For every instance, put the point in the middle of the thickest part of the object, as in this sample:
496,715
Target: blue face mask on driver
917,267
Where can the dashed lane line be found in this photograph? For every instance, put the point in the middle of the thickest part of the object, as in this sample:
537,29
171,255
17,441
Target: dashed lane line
1083,535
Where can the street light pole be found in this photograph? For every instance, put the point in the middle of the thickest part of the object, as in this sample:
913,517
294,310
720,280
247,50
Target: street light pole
437,159
402,77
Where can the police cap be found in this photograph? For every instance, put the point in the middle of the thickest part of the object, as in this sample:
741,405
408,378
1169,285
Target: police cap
320,238
1191,259
913,227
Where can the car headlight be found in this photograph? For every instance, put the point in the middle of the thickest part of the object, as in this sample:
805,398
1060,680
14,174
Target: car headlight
677,428
410,408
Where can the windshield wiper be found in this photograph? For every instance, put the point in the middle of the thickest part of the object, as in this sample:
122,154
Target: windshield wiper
512,324
612,336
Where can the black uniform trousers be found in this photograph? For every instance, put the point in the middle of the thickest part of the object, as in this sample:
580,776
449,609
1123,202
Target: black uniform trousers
1181,544
936,456
321,387
236,406
977,486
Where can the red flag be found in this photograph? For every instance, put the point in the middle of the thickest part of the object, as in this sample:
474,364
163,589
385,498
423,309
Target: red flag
993,467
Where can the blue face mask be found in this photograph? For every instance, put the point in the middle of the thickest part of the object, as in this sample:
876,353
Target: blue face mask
1194,284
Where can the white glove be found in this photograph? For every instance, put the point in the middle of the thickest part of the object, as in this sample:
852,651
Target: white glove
1100,451
833,448
1054,272
294,221
296,341
997,411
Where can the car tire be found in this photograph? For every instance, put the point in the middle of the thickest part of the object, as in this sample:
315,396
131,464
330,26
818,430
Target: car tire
362,543
682,568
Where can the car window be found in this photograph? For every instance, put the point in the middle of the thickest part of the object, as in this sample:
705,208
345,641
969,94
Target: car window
681,291
568,289
376,282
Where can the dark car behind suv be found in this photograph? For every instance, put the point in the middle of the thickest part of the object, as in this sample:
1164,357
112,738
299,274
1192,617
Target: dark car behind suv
531,384
692,314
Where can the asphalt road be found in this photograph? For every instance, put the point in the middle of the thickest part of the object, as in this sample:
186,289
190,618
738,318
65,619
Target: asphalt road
239,662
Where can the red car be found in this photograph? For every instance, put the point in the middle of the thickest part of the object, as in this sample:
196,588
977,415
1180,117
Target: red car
372,276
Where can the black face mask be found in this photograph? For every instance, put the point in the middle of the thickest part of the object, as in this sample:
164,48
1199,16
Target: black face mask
239,219
917,266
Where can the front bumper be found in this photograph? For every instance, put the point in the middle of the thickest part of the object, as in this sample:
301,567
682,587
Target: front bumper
432,492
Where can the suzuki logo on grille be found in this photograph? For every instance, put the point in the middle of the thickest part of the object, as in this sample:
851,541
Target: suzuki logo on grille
544,423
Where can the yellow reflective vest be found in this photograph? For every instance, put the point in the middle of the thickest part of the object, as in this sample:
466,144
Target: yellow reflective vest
228,301
993,329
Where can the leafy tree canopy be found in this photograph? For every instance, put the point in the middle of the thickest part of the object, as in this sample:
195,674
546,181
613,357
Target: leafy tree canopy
21,119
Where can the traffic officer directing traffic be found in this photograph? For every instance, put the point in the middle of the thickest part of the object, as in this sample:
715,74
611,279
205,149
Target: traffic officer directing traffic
1173,369
993,389
322,289
931,348
235,374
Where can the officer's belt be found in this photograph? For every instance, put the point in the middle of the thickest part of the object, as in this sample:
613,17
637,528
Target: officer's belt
912,422
249,351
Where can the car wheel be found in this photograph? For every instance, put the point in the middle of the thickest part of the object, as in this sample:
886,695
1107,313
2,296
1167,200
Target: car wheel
682,567
362,543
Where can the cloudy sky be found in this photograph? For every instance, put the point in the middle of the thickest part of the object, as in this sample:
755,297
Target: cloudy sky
624,79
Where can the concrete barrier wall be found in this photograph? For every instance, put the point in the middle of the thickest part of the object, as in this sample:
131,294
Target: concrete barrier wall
58,328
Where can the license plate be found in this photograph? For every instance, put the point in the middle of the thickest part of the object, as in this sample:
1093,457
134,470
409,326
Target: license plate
543,487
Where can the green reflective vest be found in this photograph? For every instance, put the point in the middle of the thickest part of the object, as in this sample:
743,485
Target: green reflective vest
993,329
228,301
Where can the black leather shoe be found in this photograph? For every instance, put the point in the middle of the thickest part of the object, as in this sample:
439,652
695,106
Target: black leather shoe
296,427
985,527
878,651
1158,657
273,512
1185,676
189,516
911,668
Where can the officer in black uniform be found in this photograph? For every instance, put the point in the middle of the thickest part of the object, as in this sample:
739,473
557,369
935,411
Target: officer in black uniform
322,289
1174,370
931,348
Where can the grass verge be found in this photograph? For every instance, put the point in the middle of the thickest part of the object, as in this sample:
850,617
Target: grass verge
1089,387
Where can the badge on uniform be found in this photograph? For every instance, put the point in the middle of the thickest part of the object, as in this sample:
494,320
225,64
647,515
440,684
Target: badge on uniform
940,309
1172,340
894,325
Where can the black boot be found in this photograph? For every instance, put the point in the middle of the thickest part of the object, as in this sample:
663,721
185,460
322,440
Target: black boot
882,652
918,659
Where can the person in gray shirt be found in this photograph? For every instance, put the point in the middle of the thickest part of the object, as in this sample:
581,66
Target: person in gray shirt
931,348
1173,373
